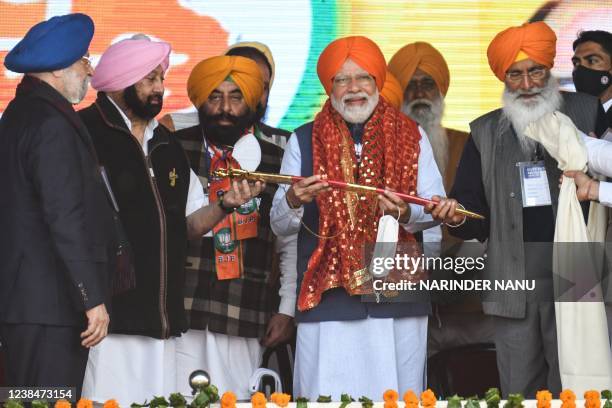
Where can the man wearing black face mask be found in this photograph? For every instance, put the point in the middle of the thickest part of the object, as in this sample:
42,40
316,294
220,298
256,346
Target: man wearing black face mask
593,67
161,204
228,292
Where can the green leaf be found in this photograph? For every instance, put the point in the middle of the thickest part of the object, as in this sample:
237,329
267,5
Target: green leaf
40,404
159,402
13,403
514,401
177,400
345,399
301,402
606,394
608,404
472,403
201,400
492,398
324,398
213,393
454,402
366,402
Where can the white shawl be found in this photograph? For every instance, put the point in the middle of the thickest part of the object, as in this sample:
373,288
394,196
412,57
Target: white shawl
585,358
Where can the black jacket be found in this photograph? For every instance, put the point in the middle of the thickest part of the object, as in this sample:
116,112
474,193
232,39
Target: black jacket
151,193
57,237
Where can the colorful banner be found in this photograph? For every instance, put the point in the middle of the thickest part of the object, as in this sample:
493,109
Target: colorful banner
297,30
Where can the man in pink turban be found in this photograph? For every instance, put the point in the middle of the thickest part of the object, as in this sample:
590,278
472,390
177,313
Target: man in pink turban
346,345
160,203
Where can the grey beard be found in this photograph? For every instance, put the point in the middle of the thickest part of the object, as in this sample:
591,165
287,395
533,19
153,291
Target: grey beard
520,114
430,119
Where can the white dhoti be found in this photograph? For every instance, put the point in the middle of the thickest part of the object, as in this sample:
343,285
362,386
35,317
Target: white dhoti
130,369
229,360
360,357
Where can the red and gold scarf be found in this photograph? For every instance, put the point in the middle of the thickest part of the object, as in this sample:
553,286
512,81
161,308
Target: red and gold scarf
389,159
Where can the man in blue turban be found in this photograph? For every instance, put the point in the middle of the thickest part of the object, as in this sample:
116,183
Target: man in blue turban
56,246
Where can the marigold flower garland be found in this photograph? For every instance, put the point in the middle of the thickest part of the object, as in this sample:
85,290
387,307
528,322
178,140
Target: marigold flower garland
592,399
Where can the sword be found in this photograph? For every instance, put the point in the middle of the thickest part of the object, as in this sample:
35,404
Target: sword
357,188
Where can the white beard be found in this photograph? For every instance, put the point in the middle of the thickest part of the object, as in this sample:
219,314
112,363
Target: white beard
355,114
430,119
521,113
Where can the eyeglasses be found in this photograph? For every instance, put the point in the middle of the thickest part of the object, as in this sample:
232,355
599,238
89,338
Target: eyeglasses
535,74
362,80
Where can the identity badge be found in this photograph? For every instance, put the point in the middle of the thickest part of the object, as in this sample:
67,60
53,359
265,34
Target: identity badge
534,184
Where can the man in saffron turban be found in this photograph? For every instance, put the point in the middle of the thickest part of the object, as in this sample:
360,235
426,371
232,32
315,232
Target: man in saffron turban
227,291
425,78
161,204
262,55
489,182
345,345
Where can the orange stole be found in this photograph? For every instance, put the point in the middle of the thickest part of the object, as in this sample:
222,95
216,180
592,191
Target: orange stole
389,159
239,225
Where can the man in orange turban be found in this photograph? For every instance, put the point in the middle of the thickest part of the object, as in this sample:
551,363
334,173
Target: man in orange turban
262,55
489,182
358,137
227,294
425,77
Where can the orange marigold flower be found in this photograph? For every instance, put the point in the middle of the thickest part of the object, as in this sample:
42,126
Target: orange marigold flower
111,403
544,397
62,404
84,403
282,400
258,400
411,399
591,394
228,400
428,398
567,395
390,395
592,400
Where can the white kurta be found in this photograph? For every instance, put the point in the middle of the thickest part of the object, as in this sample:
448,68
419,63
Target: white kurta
360,357
229,360
132,368
368,356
